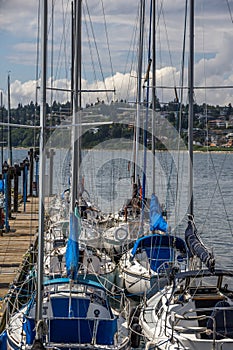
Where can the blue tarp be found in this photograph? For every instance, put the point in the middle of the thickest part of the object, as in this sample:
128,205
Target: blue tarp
197,248
72,248
157,221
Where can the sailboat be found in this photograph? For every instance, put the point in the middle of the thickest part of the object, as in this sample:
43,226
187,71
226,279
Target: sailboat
93,264
58,212
122,235
146,268
195,311
66,312
127,226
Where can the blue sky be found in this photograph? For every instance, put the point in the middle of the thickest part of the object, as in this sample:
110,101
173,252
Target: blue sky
213,46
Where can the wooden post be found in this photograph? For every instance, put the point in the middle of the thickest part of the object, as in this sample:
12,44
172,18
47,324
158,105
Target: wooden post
5,168
31,169
17,173
37,173
1,212
25,181
10,177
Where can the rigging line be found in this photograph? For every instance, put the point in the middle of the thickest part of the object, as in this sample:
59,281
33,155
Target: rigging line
52,57
205,94
63,42
158,31
97,51
90,47
86,98
229,9
133,45
67,12
218,186
106,32
181,102
51,27
195,87
204,57
183,58
168,44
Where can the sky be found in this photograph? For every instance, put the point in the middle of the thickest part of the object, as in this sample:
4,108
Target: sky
110,34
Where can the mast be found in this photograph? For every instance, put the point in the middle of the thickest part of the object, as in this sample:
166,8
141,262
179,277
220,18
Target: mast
76,133
44,7
9,122
139,86
72,54
190,119
147,95
153,91
79,53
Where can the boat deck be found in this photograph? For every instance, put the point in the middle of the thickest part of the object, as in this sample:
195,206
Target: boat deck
15,244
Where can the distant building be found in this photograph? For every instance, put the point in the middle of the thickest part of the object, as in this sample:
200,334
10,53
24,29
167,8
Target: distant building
219,123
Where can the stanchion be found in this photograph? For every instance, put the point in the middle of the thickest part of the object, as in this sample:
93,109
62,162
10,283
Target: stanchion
17,173
37,174
31,170
50,154
25,181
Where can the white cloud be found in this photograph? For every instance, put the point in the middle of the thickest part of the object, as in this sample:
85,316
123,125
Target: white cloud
21,92
125,87
213,38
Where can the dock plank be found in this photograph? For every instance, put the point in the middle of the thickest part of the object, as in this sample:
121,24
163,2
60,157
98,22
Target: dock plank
14,244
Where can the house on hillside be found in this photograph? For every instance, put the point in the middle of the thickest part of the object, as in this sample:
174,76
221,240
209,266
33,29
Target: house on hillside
218,123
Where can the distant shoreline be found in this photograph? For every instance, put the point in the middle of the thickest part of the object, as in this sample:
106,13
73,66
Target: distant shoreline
201,150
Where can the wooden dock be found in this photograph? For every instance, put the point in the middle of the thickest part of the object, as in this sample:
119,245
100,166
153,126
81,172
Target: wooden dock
15,244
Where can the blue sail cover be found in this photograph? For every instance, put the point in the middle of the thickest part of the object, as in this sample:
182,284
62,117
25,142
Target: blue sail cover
2,186
3,340
197,248
157,221
160,241
72,247
64,192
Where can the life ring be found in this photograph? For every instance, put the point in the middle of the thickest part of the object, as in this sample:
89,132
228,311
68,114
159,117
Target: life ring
121,234
96,312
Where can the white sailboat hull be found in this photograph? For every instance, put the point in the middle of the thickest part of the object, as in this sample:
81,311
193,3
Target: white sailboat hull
173,319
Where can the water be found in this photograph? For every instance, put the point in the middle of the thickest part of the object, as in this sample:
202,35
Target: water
107,179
